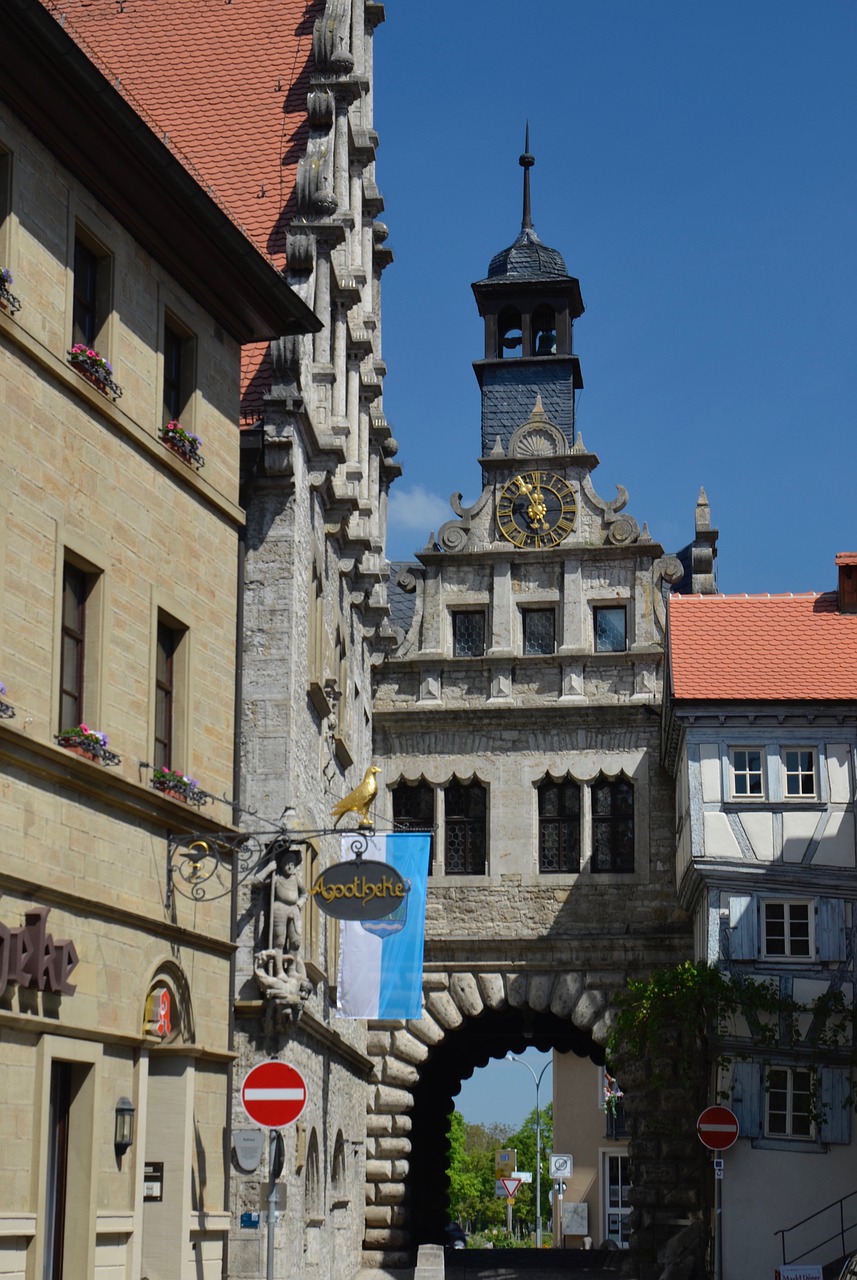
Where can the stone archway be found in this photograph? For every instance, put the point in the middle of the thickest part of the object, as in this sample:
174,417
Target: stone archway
468,1018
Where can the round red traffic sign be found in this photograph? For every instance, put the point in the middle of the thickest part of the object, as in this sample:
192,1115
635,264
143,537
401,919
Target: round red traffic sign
717,1128
273,1094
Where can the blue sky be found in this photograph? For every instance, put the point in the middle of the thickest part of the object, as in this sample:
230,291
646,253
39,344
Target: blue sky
504,1092
697,167
696,164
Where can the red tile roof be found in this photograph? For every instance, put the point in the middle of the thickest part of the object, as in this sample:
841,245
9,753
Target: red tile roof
762,648
227,82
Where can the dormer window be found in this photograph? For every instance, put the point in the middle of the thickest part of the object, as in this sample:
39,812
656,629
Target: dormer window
511,335
544,331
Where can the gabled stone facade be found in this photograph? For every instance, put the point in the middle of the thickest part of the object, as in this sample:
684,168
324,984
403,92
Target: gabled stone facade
518,717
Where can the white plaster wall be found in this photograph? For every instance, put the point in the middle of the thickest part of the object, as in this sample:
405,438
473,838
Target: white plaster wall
839,772
778,1188
718,836
709,767
798,830
759,828
836,847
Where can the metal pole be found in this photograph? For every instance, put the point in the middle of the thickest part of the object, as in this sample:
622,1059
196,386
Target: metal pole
538,1167
537,1081
272,1204
718,1227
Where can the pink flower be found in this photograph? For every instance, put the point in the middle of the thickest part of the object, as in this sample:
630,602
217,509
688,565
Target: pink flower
83,729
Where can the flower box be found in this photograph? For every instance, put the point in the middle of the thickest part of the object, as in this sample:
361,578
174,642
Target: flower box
184,443
90,365
178,786
89,743
7,711
8,301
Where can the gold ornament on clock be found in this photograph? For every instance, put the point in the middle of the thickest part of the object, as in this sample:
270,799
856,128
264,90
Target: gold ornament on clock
536,509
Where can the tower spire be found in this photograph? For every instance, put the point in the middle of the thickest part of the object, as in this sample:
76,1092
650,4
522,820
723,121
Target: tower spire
526,161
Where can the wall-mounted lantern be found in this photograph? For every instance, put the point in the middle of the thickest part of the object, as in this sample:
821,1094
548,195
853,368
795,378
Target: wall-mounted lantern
123,1127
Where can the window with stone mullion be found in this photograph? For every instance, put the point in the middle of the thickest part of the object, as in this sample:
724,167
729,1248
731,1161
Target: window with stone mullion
465,829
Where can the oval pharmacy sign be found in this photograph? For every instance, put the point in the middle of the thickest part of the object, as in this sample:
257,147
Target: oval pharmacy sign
360,890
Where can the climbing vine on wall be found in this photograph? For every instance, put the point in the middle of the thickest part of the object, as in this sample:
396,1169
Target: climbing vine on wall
686,1020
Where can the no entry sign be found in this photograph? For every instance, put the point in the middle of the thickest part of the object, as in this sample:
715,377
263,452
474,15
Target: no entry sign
273,1094
717,1128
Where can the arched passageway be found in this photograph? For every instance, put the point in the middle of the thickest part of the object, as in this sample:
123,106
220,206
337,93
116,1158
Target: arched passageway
468,1019
472,1045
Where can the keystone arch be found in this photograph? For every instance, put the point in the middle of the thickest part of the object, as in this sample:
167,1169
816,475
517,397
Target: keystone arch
468,1018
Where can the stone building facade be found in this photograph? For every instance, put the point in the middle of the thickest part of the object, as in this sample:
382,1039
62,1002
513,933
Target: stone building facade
518,718
120,599
271,101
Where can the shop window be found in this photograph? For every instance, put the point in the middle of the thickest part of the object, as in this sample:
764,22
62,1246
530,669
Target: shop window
611,629
747,776
468,633
612,825
465,822
539,629
617,1205
559,826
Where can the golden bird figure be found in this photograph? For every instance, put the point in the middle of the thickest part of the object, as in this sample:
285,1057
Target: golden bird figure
359,800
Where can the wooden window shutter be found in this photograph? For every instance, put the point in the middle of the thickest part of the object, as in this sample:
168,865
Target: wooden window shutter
830,929
747,1098
744,928
836,1104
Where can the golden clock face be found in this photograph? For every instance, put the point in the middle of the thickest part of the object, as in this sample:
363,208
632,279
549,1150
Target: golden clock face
536,509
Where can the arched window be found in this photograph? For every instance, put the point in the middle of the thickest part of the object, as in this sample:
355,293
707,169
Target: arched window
413,808
465,811
313,1207
559,825
510,335
544,331
338,1175
612,825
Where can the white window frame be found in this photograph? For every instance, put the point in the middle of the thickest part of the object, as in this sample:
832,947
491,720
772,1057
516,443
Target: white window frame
799,773
747,772
619,1212
790,1073
788,953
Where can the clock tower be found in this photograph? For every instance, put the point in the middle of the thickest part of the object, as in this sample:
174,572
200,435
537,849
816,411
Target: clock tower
529,304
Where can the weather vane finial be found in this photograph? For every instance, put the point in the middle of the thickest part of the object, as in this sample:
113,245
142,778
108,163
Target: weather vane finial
526,161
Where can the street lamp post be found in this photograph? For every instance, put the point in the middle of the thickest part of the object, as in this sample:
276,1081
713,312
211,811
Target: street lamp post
537,1081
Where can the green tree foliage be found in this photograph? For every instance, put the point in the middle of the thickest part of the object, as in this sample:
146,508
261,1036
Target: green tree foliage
472,1199
472,1202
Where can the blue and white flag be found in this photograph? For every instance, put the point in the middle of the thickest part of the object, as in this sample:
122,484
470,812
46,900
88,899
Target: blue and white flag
381,961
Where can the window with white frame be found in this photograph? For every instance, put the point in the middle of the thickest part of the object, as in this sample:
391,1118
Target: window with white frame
788,1103
747,776
799,773
787,929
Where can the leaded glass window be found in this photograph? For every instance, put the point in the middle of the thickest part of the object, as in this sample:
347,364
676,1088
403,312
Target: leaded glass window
612,825
559,826
465,812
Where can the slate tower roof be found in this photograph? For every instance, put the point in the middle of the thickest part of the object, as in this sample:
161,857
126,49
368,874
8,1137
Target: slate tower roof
529,304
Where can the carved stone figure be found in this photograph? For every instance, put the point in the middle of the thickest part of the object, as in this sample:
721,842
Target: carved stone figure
279,968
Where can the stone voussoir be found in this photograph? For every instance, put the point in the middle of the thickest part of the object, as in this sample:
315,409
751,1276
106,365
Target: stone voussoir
566,993
442,1007
408,1048
389,1101
493,990
464,990
540,991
